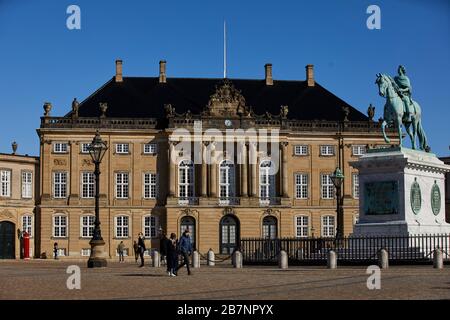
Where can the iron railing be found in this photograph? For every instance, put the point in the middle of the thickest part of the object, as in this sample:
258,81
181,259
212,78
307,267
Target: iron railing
349,250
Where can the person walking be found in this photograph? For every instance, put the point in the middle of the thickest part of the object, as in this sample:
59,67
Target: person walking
55,250
185,247
141,248
136,251
120,250
172,255
163,244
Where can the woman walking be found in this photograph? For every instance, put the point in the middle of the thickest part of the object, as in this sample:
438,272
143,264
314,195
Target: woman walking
172,255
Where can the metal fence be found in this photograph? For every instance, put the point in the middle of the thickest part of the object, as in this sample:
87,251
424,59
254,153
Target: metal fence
349,250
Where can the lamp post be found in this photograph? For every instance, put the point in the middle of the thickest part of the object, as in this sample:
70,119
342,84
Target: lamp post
337,177
97,259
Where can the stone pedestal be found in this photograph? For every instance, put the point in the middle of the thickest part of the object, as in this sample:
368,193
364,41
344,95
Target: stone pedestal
401,192
98,255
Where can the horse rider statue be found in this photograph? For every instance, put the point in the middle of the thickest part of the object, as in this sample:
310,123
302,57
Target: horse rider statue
404,90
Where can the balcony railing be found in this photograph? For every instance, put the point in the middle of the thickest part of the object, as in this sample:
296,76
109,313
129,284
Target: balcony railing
188,201
267,201
229,201
112,123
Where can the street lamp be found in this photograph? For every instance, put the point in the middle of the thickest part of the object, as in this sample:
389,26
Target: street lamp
97,150
337,177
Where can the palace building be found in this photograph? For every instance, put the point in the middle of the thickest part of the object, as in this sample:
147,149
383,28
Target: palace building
19,178
191,153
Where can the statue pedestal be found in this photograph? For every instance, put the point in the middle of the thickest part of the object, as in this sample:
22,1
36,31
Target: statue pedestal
401,193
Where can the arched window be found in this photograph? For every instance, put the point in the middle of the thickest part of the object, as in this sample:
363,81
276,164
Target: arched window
328,226
226,181
87,226
185,180
60,226
270,227
301,226
266,182
150,227
122,226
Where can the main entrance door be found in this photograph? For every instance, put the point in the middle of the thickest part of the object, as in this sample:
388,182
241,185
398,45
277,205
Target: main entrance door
229,234
188,223
7,240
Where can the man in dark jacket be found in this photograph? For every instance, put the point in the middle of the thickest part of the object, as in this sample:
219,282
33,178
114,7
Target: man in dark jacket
141,248
185,248
163,249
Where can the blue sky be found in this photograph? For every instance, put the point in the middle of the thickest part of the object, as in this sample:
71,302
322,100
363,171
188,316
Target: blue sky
41,60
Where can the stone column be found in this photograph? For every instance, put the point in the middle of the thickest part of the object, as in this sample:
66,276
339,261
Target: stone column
204,171
172,169
244,177
284,175
254,166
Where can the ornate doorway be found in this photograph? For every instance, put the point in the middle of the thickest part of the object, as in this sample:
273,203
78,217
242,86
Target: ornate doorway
229,234
188,223
7,240
269,227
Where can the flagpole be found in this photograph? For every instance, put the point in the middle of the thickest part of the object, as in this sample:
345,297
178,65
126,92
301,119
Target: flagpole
224,49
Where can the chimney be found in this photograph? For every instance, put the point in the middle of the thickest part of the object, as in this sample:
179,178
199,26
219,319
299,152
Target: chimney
162,71
310,75
269,79
119,71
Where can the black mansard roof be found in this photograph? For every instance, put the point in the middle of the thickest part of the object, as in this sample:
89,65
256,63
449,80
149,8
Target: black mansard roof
145,97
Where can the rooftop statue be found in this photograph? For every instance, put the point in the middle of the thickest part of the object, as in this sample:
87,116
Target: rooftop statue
400,109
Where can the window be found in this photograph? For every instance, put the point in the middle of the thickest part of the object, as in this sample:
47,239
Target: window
87,226
301,150
266,181
122,148
327,187
60,184
85,147
61,252
60,147
121,227
301,186
150,148
85,252
59,226
355,179
328,229
150,227
185,180
27,225
27,185
125,252
226,181
358,150
122,185
5,181
150,186
301,226
327,150
87,185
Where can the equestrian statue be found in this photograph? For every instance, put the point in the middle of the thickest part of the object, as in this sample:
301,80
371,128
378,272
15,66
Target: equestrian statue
400,109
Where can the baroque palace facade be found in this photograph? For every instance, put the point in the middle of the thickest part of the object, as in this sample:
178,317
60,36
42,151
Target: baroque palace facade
228,159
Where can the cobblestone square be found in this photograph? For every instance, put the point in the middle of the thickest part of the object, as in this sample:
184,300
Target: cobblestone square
47,280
